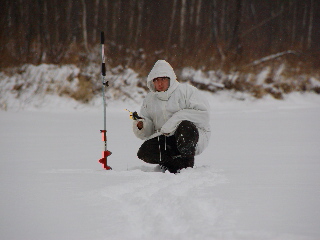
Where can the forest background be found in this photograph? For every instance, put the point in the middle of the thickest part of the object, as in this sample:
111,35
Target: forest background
237,37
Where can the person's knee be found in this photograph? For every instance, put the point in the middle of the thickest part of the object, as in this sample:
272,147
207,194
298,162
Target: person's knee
143,151
140,154
144,156
187,136
149,151
187,129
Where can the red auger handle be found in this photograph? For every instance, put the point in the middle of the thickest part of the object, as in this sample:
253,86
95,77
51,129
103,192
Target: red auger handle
104,135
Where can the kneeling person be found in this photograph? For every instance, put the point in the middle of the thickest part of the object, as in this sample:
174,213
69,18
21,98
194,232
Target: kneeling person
175,121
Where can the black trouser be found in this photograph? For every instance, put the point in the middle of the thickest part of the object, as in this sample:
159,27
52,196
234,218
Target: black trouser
174,152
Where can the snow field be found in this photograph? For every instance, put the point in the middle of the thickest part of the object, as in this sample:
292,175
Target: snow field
258,179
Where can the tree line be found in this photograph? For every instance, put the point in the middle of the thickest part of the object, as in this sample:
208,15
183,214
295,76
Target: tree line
187,32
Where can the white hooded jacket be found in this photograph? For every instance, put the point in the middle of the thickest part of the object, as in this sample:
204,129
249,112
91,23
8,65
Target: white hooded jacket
162,112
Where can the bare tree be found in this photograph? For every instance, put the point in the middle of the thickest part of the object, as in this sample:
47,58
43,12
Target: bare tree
310,25
115,18
294,23
198,14
45,36
235,39
95,20
173,15
84,25
68,21
183,22
131,19
139,25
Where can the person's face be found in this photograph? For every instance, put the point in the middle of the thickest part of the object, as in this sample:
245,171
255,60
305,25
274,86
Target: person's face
161,84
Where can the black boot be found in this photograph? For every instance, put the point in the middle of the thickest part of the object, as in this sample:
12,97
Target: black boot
175,164
188,162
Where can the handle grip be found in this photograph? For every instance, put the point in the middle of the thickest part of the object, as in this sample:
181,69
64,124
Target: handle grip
102,37
103,69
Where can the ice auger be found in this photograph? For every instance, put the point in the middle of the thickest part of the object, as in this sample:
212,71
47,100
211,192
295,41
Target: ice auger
106,153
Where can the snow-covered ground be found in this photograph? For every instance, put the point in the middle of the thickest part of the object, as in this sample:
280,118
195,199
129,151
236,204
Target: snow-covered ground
258,179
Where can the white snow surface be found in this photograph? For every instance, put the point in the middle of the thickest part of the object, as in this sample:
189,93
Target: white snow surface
258,179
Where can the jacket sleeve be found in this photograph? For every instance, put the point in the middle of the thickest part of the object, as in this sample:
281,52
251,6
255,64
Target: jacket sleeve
197,111
148,127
